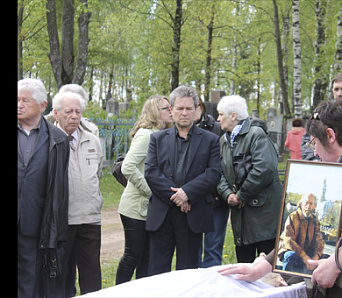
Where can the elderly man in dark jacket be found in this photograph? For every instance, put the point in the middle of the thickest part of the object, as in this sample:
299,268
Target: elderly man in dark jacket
43,156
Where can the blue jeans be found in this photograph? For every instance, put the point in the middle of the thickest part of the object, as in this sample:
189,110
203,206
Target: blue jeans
213,241
294,263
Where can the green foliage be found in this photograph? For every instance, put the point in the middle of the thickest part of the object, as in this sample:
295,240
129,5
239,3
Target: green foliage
131,44
94,111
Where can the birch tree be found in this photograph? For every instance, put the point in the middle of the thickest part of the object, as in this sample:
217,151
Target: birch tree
297,61
338,53
320,83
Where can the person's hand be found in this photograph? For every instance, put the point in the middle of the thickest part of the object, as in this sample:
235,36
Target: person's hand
234,201
185,207
247,272
179,197
326,272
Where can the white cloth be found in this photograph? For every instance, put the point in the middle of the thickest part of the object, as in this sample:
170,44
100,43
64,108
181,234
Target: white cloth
198,283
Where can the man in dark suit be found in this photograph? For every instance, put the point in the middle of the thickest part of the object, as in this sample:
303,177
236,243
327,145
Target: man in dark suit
182,169
42,218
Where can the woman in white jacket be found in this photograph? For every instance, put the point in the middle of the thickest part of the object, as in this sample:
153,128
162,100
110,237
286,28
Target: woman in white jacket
155,115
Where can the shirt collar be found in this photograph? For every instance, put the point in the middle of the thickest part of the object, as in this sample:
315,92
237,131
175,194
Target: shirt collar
74,134
235,132
28,132
189,133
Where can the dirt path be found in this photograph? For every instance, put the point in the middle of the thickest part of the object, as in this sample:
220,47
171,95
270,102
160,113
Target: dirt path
112,237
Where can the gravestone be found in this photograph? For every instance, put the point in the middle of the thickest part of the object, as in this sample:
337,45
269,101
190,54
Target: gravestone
211,106
274,124
112,107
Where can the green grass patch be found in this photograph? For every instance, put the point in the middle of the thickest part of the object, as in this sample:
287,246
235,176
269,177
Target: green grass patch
111,190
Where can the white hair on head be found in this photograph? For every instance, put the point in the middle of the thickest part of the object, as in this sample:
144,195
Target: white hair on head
76,89
304,197
36,87
233,104
56,102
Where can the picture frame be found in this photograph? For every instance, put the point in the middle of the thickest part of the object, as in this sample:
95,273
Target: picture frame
310,217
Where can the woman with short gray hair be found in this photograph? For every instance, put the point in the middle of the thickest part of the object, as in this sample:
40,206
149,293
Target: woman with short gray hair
249,182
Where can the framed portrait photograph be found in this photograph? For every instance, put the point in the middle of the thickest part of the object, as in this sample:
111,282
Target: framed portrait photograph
310,217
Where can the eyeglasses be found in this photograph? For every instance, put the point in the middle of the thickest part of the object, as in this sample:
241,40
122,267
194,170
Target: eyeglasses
311,145
166,108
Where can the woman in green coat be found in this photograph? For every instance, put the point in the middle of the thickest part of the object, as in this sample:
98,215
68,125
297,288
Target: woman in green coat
255,197
155,115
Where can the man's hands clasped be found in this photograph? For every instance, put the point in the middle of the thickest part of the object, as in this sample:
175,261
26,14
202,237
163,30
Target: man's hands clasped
181,199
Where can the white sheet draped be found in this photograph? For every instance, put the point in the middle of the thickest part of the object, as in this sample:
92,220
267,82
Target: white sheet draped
198,283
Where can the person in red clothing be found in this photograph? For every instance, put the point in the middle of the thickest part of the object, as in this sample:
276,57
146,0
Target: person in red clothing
294,138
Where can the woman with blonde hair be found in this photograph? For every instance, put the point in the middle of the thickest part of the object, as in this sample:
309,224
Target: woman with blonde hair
155,115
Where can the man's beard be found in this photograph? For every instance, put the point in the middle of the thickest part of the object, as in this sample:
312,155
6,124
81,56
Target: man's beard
307,214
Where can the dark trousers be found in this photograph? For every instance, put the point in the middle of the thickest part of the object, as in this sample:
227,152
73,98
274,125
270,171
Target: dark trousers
173,233
136,250
85,243
248,253
29,267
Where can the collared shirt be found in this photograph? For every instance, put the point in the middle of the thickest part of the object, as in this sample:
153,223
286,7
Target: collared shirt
74,135
235,132
27,141
181,157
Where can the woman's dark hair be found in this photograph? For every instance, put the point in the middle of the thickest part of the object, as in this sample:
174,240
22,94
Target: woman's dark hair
297,122
327,114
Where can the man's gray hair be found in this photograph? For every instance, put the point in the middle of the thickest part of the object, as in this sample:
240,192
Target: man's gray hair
184,91
304,197
56,102
233,104
36,87
75,88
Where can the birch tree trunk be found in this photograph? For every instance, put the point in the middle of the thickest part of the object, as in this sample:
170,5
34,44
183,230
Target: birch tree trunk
321,82
297,63
338,53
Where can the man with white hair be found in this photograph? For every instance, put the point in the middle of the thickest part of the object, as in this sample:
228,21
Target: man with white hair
301,239
85,199
85,123
43,156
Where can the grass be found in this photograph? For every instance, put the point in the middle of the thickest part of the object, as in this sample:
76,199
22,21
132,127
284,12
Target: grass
111,191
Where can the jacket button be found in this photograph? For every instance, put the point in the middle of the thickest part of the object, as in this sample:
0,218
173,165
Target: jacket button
255,201
238,240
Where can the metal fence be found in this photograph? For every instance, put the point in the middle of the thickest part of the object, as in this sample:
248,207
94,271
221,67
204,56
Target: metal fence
114,137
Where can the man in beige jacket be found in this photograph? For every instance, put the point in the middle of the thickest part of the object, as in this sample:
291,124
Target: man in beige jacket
85,199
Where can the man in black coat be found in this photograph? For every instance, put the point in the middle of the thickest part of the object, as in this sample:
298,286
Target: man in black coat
42,217
182,169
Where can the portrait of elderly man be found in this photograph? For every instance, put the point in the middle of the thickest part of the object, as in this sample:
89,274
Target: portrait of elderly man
301,239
